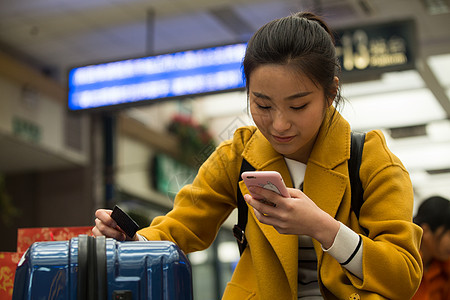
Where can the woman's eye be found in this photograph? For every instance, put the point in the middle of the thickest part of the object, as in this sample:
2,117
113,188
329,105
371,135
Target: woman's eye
263,106
299,107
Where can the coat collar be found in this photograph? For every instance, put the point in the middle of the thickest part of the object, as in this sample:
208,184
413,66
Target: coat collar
331,148
326,174
324,185
260,154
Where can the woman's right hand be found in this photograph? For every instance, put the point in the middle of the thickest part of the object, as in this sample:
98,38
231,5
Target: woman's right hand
106,226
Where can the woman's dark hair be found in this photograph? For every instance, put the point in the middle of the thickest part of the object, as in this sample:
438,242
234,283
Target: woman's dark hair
434,211
302,40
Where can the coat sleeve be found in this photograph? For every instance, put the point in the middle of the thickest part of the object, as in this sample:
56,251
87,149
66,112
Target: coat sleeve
200,208
392,265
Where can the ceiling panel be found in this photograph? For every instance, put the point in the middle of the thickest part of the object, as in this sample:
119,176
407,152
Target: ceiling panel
257,14
61,34
180,24
208,32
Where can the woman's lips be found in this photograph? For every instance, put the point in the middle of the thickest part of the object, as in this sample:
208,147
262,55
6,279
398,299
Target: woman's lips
283,139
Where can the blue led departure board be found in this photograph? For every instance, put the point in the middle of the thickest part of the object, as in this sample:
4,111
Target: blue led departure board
156,77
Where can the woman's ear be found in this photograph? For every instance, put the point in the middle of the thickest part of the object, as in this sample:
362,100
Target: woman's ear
334,90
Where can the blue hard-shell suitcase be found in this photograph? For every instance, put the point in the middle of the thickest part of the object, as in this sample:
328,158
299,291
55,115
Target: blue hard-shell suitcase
86,268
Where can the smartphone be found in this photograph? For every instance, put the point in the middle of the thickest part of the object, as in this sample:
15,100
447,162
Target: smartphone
128,225
270,180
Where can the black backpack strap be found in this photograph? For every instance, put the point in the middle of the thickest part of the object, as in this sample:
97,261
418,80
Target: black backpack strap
354,163
239,228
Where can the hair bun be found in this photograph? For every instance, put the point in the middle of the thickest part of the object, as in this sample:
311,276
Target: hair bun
315,18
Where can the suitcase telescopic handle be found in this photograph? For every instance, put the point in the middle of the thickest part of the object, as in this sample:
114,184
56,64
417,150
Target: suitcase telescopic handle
91,268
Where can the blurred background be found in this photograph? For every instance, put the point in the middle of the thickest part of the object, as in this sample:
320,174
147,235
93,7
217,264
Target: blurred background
57,166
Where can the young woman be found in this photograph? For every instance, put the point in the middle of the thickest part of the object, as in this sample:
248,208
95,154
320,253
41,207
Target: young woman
311,245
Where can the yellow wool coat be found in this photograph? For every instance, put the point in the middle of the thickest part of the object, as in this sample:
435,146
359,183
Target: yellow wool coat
268,268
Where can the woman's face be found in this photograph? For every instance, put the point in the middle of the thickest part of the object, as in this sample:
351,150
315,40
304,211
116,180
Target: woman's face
288,109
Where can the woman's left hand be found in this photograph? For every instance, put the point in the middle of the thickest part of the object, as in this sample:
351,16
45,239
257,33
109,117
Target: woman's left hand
295,215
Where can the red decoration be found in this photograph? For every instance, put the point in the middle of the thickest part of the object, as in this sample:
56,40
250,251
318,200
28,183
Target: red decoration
25,238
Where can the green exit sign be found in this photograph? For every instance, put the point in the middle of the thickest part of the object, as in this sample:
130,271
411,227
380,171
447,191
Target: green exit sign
26,130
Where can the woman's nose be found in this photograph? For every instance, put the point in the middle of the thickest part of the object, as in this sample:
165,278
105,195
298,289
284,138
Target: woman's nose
280,122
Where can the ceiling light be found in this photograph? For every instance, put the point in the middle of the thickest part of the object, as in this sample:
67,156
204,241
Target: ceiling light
419,177
439,131
390,110
440,64
429,156
389,82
